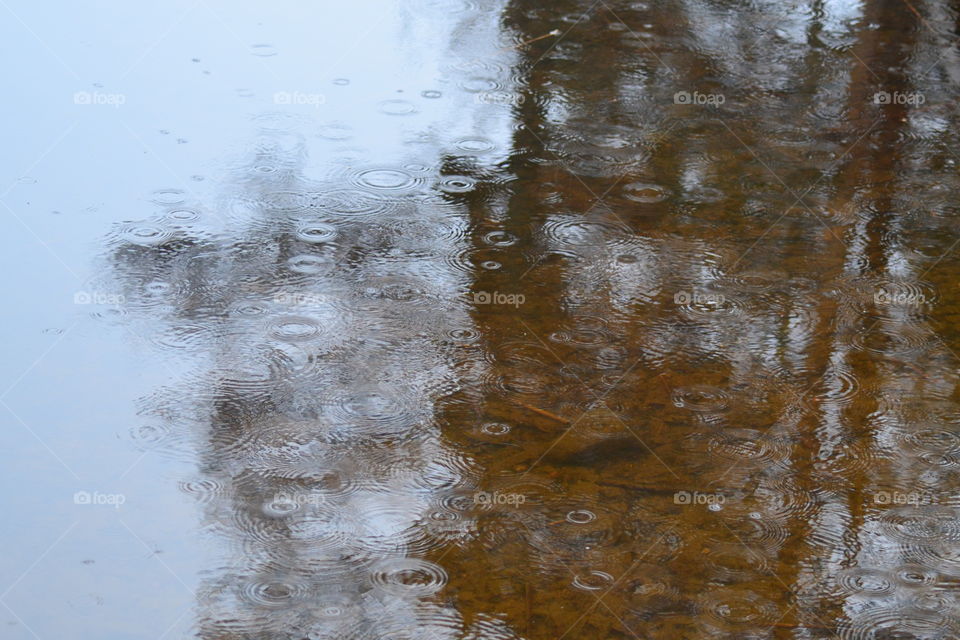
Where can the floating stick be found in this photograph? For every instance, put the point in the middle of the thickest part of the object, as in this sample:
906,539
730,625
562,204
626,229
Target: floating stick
555,32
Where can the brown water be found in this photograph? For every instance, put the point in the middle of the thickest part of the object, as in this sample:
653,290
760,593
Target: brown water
646,331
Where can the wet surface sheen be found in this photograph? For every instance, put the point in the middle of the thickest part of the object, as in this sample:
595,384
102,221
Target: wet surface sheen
641,329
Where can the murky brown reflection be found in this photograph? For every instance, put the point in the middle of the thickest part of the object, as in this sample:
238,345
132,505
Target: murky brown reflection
681,367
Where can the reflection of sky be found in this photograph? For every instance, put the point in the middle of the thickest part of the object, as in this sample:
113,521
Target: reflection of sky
90,166
386,53
839,15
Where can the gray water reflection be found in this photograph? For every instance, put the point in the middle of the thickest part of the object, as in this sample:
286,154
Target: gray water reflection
327,332
311,324
325,317
673,280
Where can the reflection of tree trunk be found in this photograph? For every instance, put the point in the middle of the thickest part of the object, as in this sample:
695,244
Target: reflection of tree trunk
874,159
866,178
950,58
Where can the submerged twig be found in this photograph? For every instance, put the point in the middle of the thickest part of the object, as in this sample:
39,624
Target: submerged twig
544,413
665,385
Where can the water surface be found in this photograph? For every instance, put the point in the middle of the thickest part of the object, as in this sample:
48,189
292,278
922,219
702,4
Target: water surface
481,320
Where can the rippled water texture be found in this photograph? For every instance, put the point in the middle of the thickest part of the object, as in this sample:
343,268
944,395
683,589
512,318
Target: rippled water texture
456,319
